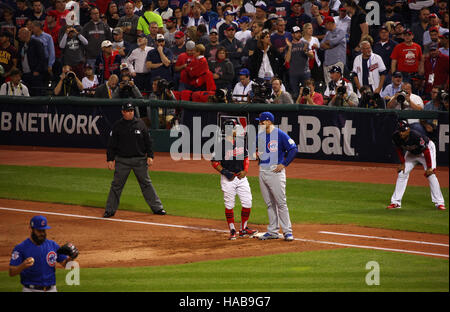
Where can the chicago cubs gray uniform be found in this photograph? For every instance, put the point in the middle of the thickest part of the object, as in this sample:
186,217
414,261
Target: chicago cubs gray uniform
276,150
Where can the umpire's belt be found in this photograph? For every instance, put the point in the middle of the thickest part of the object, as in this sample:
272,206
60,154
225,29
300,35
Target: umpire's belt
37,287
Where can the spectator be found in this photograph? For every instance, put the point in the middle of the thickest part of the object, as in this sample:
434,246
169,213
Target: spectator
280,96
297,56
278,38
128,89
194,14
47,42
202,35
33,62
244,33
122,47
411,102
136,63
251,44
211,47
222,70
22,14
242,89
315,65
358,27
89,81
14,86
279,7
128,23
105,90
228,21
395,87
211,14
326,10
399,32
444,43
69,84
38,12
61,12
159,61
8,24
384,48
437,101
151,37
53,28
317,21
198,71
72,45
343,21
178,14
163,9
181,77
265,59
260,12
108,62
369,68
8,55
233,47
434,22
146,19
310,97
180,44
407,57
334,44
170,32
297,17
95,32
436,68
85,9
390,14
421,26
434,39
112,15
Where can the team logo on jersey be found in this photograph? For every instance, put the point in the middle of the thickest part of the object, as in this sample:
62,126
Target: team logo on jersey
234,153
51,258
272,146
15,255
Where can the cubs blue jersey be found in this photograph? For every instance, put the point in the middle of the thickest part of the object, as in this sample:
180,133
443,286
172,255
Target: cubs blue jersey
279,148
42,273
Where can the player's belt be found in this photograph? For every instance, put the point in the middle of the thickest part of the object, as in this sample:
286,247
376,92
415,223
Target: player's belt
37,287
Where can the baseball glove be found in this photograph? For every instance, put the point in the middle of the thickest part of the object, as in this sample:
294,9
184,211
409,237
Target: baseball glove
228,174
68,249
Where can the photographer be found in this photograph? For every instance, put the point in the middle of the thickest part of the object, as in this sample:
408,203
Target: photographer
163,90
243,87
343,97
369,99
308,95
337,79
261,92
68,84
405,100
127,89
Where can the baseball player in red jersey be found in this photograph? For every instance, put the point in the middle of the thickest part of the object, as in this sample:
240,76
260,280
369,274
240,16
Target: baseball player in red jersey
414,148
232,163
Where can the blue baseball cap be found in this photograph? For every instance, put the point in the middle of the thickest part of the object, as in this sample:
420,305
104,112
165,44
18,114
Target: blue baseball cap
39,223
244,19
265,116
244,71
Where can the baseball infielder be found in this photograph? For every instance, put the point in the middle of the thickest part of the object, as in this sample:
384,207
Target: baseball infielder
412,149
232,163
275,150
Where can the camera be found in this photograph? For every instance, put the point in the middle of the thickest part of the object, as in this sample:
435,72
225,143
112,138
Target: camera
401,97
341,90
262,92
443,96
164,85
69,77
306,91
221,95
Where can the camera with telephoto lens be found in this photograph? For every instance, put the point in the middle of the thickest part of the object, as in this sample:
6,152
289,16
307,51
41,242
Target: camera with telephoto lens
401,97
443,96
341,90
306,90
70,76
262,92
164,85
221,95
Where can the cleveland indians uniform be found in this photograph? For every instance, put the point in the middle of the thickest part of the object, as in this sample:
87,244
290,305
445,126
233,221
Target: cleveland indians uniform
233,158
412,150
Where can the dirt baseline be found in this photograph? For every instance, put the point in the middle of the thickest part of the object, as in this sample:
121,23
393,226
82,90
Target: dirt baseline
144,239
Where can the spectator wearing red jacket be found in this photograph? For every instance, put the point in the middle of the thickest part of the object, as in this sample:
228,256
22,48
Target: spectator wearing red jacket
198,71
436,68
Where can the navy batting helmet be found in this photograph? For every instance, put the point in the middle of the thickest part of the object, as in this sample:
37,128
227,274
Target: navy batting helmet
402,125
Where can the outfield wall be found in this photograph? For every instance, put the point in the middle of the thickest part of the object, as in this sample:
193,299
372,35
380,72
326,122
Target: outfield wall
347,134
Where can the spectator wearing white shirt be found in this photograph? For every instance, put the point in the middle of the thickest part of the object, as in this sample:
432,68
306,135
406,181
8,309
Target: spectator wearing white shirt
244,34
14,87
434,22
136,63
370,69
164,10
243,87
343,20
90,81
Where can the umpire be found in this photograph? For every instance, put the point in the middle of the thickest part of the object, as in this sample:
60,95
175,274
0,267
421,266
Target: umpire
130,148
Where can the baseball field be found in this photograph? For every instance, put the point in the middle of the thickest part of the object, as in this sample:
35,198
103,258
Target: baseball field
345,239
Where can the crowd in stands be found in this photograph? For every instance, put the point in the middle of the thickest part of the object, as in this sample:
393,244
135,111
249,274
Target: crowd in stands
330,52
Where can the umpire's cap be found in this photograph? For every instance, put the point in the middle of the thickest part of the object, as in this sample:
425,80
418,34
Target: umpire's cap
402,125
39,223
127,106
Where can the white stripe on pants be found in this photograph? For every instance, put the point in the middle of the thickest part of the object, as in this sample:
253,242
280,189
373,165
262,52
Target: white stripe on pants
411,161
273,190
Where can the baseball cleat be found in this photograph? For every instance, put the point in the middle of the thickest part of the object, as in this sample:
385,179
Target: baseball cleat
233,234
267,236
288,237
440,207
161,212
393,206
247,232
108,214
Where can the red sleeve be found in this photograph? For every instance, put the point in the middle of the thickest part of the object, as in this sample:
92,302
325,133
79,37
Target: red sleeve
318,99
427,155
394,54
246,164
400,155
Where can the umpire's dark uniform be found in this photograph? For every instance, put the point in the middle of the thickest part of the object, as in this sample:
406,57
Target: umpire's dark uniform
130,145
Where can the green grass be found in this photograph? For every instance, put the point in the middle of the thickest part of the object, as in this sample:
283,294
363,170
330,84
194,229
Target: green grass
313,271
199,195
